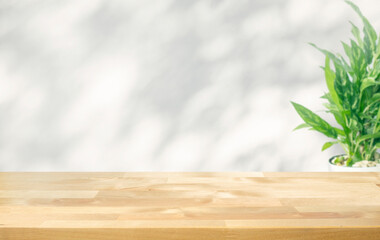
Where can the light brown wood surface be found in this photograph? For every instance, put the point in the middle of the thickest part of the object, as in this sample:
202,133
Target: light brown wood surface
200,206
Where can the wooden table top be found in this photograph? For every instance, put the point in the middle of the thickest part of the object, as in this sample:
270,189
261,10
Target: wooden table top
204,206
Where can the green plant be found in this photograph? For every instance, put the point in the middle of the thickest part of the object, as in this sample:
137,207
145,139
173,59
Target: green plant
353,96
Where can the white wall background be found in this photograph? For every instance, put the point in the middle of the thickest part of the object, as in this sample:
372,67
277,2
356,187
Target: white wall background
105,85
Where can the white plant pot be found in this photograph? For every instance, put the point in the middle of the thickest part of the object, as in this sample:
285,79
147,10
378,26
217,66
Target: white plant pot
335,168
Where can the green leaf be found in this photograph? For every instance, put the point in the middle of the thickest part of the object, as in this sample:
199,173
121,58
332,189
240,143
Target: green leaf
367,51
329,54
375,73
353,125
330,78
316,122
326,96
337,111
357,60
345,65
369,32
347,50
343,87
375,97
356,32
350,162
368,136
377,128
377,54
303,125
339,131
367,83
327,145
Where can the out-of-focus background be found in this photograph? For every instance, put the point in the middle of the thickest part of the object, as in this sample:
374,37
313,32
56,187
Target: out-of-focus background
105,85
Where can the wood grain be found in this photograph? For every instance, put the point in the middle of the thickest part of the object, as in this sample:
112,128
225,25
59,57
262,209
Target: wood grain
141,206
